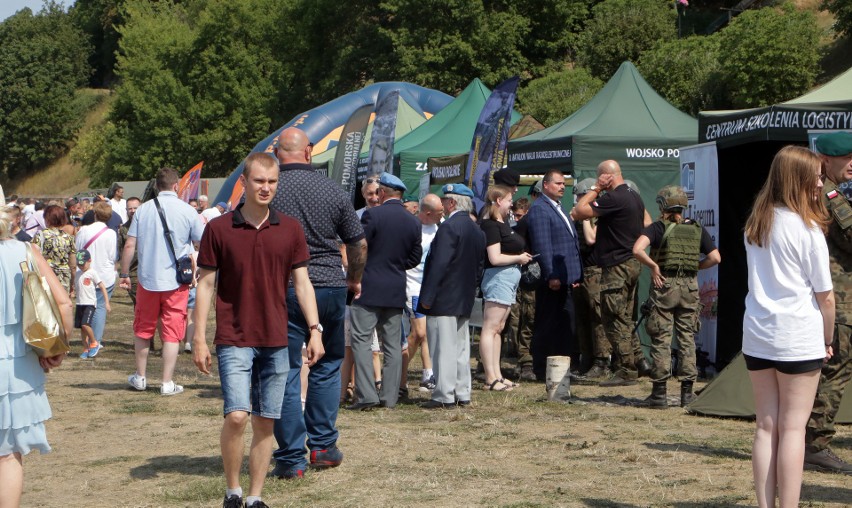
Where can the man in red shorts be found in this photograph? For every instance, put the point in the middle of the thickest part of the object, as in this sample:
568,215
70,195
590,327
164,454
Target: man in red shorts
159,295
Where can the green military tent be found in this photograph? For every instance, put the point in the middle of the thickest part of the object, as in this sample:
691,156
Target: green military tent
626,121
449,132
730,395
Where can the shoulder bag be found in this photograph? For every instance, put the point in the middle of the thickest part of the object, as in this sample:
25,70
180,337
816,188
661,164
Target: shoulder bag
42,322
182,264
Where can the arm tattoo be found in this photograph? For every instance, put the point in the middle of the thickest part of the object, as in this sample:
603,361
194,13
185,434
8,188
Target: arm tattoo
356,253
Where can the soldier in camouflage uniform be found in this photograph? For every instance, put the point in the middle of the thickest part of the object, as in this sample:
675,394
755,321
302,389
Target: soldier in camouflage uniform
835,150
676,247
621,217
523,312
594,346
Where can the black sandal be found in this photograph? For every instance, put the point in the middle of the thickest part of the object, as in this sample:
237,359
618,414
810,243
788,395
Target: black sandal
505,388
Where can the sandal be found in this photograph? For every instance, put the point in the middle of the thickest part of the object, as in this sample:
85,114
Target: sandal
490,388
509,383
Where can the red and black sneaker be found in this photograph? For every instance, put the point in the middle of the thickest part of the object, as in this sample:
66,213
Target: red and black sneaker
331,457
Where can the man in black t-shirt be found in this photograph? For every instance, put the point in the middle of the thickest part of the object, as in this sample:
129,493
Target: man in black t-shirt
621,217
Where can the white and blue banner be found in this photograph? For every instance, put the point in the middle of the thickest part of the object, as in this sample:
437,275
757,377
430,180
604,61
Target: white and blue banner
699,176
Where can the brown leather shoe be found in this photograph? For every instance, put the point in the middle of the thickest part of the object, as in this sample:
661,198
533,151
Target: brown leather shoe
828,461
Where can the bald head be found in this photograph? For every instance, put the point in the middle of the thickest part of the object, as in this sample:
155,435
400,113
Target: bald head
612,169
293,146
609,167
431,209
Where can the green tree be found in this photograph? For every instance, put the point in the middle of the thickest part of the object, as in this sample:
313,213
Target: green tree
621,30
558,95
443,44
768,55
684,71
199,81
100,20
842,10
42,62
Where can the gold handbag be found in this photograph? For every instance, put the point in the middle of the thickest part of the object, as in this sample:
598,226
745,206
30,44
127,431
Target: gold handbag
42,322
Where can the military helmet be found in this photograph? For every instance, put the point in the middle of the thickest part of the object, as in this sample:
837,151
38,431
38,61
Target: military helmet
583,186
633,186
671,197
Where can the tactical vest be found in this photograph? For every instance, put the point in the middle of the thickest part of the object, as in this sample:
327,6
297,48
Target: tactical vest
680,248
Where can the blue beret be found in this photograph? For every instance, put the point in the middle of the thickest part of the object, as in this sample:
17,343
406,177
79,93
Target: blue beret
388,180
457,188
836,144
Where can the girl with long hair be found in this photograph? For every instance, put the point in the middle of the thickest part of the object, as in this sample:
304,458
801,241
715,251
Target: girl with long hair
505,255
789,318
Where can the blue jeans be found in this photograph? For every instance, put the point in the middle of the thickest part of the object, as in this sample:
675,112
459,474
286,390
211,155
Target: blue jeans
99,319
253,379
318,422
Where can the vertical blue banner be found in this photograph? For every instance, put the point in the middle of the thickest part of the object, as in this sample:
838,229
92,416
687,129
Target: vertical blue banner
488,149
384,131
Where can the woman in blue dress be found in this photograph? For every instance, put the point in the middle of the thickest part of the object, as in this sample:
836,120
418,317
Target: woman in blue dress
23,402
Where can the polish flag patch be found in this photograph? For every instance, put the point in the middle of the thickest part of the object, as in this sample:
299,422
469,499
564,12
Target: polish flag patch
831,194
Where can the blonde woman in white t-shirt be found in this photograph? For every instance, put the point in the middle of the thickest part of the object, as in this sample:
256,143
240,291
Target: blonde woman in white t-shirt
789,318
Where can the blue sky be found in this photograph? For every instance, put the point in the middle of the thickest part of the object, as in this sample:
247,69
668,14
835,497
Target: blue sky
9,7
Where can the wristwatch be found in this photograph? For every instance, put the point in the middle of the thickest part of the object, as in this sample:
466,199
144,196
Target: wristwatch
123,275
594,188
317,327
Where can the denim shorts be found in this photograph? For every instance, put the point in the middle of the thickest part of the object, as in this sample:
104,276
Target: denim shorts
499,284
253,379
190,304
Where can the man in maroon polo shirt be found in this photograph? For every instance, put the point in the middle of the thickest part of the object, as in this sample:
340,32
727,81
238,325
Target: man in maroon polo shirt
254,251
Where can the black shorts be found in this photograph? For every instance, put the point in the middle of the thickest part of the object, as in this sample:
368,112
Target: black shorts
796,367
84,316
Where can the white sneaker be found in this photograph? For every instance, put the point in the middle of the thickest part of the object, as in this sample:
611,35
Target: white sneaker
187,347
170,388
138,382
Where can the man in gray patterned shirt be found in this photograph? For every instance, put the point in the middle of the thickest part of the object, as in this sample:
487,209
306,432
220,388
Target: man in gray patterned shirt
327,216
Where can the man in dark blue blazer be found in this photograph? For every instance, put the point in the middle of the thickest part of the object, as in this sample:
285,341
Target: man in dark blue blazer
393,246
452,273
554,240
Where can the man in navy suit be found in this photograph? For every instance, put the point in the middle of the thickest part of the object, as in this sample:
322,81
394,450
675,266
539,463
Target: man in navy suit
393,246
554,240
452,273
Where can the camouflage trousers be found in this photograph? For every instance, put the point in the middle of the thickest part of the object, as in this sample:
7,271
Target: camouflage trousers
519,326
832,381
675,308
587,309
618,299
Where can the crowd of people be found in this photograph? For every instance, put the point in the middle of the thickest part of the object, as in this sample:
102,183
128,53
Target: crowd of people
319,306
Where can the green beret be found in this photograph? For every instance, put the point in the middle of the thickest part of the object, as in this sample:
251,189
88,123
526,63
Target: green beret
836,144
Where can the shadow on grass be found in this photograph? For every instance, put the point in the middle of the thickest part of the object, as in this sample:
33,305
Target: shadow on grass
710,503
826,494
607,503
616,400
111,387
699,450
183,464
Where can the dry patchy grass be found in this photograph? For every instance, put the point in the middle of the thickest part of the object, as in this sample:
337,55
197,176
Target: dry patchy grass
117,447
